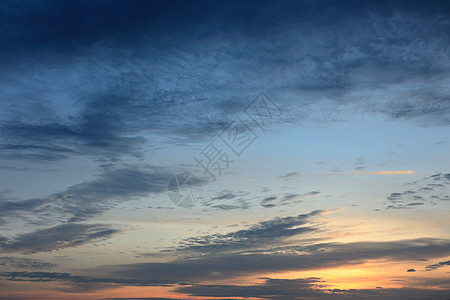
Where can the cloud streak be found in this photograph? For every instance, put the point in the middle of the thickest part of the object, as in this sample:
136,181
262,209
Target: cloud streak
56,238
438,265
393,172
85,200
258,236
426,190
306,288
226,266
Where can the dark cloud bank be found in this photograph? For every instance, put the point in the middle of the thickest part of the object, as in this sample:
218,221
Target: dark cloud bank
253,251
99,78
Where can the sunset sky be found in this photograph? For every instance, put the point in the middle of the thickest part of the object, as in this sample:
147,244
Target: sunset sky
224,149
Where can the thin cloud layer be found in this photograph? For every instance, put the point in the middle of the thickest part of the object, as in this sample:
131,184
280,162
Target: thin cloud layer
56,238
432,189
24,263
236,254
189,271
257,236
306,288
394,172
85,200
133,89
438,265
144,78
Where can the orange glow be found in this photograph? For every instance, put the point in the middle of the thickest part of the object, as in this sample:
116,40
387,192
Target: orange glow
396,172
386,274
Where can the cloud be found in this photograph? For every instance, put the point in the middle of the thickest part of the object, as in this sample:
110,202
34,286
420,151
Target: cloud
227,200
267,202
360,164
9,168
260,235
140,299
396,172
269,289
56,238
23,263
189,271
90,198
108,82
281,259
438,265
276,242
306,288
287,199
427,190
136,76
80,284
289,175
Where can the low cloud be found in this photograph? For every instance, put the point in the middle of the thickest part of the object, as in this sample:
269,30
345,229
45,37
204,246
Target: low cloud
289,175
227,200
24,263
56,238
307,288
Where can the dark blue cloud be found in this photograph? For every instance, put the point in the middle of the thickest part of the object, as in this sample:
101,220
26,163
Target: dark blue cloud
189,271
66,277
87,199
260,235
307,288
56,238
24,263
108,80
426,190
250,263
438,265
110,74
80,23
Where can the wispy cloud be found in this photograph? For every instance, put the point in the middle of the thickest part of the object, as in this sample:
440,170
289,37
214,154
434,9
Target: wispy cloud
286,199
107,83
79,280
85,200
425,190
231,265
56,238
24,263
393,172
258,236
307,288
225,256
438,265
228,200
289,175
159,87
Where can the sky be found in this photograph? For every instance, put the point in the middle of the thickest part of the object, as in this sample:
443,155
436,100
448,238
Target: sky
224,149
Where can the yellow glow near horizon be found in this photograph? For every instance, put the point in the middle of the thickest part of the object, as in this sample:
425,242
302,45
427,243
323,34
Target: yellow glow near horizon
370,275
